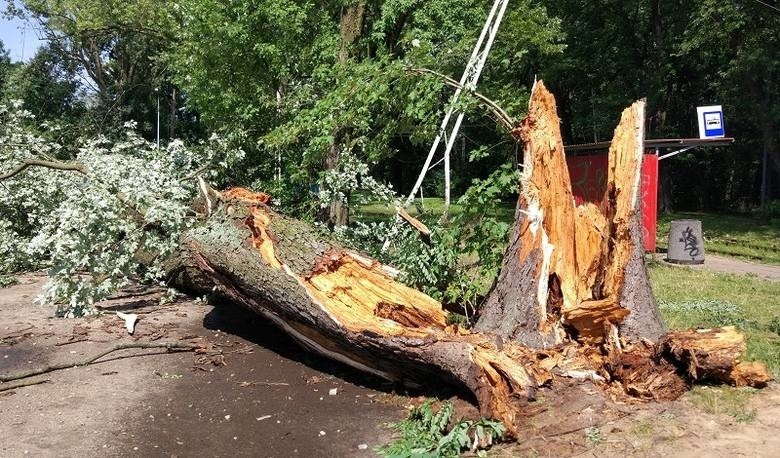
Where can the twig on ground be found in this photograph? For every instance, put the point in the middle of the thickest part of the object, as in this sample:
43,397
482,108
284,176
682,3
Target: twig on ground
245,384
68,342
18,333
170,346
22,383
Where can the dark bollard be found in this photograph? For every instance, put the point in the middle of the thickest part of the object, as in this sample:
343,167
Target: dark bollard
686,244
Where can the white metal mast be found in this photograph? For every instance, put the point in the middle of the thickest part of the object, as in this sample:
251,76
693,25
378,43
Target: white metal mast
468,81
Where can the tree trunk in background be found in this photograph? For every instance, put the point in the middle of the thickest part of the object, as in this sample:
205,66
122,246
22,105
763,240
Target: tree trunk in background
350,29
573,271
572,277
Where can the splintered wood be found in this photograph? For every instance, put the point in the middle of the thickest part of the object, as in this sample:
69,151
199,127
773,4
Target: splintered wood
584,250
555,311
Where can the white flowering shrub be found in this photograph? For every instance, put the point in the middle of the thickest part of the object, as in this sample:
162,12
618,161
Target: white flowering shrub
352,184
119,219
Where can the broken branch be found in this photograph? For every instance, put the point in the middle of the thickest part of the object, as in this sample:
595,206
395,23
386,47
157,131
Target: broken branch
502,116
56,165
170,346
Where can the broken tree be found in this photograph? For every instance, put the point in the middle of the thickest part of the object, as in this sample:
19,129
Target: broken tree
572,293
573,271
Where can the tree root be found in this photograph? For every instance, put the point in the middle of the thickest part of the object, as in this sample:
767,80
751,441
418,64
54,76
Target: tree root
170,346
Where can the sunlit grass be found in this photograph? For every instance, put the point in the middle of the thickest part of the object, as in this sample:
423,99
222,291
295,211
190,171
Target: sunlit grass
733,235
428,210
724,400
751,304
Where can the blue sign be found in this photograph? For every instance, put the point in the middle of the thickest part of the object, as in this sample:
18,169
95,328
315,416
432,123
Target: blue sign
711,123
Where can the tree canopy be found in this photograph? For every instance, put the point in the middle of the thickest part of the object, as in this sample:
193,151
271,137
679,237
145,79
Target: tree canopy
334,103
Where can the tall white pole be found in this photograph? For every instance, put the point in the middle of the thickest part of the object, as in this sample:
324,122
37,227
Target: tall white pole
445,122
158,117
471,85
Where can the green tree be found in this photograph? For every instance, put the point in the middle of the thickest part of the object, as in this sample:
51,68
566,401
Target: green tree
310,81
5,69
48,85
118,46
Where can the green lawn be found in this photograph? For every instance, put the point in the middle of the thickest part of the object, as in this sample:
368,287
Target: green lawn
432,207
691,298
744,237
740,236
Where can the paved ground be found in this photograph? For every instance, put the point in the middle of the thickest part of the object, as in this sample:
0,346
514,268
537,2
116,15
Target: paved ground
729,265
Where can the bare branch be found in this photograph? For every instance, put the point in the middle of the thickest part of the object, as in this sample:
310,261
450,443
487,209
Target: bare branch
502,116
56,165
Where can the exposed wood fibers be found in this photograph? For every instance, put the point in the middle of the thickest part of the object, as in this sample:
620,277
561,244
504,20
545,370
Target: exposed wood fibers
585,251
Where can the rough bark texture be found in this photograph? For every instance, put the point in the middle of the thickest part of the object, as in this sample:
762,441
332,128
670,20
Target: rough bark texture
350,30
345,306
573,271
565,281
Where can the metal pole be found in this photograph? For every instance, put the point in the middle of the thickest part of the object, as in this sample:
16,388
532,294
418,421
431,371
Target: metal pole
158,117
675,153
764,179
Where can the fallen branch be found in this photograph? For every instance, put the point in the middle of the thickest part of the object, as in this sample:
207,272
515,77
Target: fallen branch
75,167
13,386
170,346
414,222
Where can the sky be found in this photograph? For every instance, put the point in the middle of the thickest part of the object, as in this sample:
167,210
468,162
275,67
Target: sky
19,37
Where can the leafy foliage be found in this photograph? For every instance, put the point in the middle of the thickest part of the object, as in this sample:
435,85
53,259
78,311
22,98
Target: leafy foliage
424,434
120,218
464,252
7,280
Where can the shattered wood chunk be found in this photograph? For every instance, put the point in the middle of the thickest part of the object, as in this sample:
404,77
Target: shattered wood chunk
414,222
644,376
592,318
713,355
245,195
750,373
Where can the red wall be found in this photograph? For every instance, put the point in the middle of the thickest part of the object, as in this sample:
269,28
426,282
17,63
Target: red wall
589,181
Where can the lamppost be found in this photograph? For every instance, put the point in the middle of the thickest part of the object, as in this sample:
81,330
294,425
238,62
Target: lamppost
157,92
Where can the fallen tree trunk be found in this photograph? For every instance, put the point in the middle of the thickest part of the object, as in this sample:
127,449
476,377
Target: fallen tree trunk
572,279
345,306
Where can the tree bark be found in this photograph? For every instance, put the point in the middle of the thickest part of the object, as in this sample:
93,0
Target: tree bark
350,29
571,278
345,306
573,271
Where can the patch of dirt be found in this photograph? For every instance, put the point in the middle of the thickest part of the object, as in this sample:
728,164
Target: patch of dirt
255,393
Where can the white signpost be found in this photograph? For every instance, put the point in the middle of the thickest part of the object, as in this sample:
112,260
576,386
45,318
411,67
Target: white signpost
711,123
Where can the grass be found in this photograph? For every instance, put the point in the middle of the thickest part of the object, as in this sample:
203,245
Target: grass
740,236
432,209
698,299
734,402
